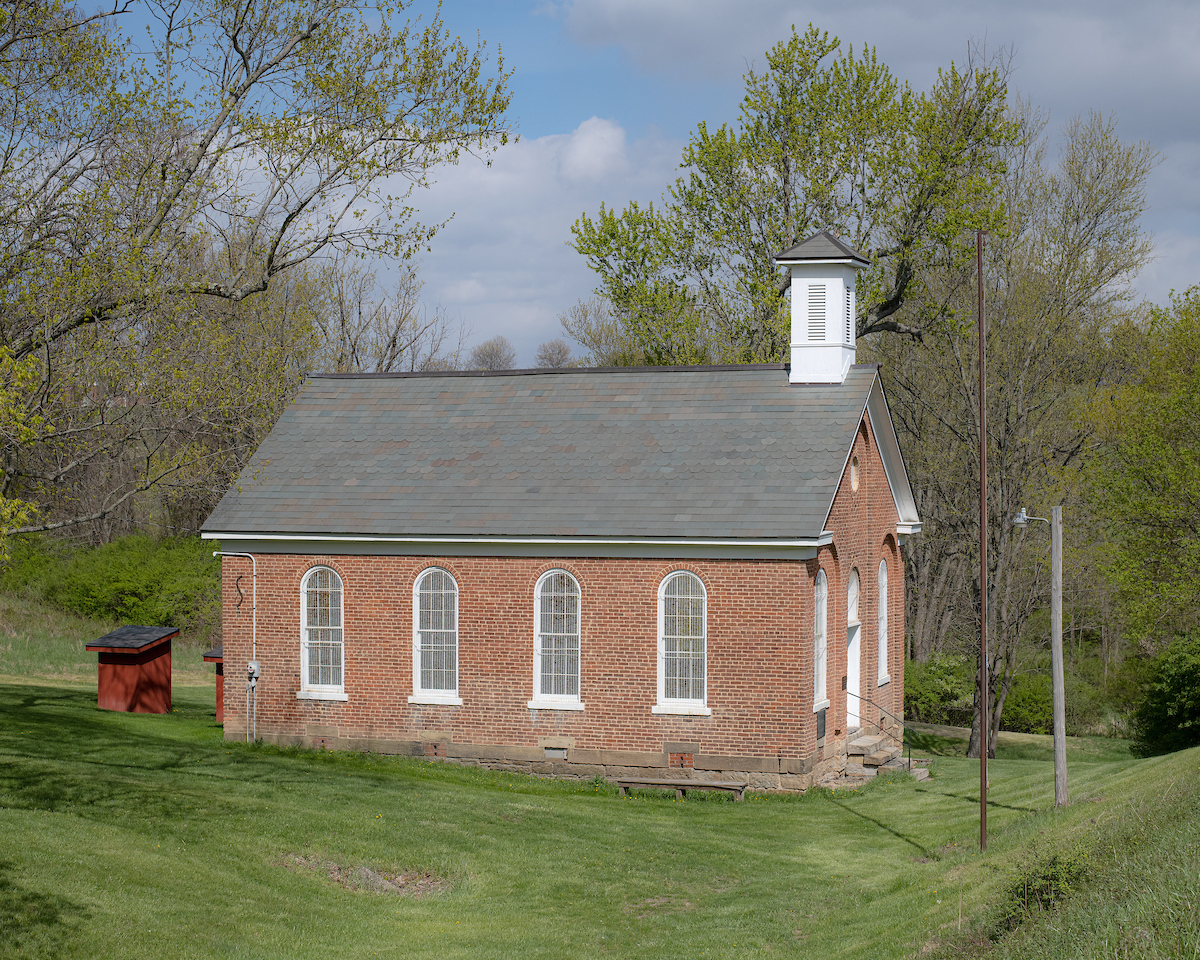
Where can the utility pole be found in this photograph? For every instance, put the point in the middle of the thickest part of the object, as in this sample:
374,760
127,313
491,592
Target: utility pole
984,713
1061,798
1056,659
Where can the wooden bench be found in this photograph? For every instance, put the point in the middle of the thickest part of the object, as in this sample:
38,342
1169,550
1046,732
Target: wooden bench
681,787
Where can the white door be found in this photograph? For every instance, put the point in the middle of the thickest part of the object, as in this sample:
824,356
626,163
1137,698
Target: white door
852,670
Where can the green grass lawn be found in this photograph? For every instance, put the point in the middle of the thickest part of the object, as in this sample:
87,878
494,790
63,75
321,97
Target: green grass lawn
936,740
128,835
37,640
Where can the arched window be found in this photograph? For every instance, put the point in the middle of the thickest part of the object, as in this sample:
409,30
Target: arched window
682,654
556,643
435,638
820,623
853,652
321,635
884,673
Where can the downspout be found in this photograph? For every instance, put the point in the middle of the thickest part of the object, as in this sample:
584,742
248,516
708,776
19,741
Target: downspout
252,669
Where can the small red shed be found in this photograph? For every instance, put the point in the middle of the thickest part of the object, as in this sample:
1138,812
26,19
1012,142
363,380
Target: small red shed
135,669
216,655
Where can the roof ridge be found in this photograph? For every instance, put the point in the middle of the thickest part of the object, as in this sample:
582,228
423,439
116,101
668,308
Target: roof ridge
534,371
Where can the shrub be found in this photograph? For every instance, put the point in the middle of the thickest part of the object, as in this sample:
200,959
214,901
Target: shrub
1041,884
1029,706
170,583
939,690
1168,718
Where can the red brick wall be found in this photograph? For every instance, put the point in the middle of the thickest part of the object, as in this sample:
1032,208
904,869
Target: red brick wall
760,649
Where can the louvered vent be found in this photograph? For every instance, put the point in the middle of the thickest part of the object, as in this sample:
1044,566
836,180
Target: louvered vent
849,314
816,311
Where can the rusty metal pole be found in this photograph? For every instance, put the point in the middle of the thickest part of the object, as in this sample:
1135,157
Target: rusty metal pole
984,713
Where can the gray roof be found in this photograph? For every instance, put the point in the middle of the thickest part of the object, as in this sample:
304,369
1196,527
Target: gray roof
821,246
132,637
734,452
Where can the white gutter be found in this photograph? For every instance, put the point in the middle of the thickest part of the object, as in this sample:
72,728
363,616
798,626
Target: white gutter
824,539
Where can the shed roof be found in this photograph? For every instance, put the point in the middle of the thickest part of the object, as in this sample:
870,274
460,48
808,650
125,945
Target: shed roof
132,637
713,452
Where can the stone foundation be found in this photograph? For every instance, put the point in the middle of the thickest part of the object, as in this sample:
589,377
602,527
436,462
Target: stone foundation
548,760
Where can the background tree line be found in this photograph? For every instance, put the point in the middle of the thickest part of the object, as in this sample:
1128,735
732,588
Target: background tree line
183,231
1091,400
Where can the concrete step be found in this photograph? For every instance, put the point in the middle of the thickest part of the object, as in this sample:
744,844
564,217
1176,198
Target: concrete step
881,756
864,746
919,773
858,770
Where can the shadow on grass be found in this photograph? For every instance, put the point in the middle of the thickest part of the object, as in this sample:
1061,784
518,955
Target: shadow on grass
61,752
34,923
882,826
974,798
935,746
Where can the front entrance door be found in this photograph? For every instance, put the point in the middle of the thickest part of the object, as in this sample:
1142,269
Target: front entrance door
852,676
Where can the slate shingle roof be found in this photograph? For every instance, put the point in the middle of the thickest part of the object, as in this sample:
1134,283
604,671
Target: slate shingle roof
821,246
638,452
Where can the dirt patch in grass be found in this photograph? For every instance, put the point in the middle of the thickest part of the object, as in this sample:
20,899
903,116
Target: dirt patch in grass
367,880
655,906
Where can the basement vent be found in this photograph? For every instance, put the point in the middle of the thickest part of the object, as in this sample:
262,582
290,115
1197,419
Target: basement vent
816,311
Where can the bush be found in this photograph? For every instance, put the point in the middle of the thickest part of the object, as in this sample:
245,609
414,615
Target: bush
1168,718
170,583
939,690
1041,884
1029,706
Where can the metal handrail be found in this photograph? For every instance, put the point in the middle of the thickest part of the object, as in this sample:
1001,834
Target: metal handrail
907,738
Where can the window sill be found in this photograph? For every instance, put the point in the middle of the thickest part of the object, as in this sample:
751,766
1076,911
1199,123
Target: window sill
820,705
681,709
436,700
885,680
321,695
554,705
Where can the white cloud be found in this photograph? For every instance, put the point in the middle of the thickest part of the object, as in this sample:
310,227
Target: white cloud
503,263
594,152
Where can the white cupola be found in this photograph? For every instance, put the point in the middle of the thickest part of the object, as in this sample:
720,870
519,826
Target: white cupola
823,307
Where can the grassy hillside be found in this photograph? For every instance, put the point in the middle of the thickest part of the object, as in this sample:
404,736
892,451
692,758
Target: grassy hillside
130,835
39,640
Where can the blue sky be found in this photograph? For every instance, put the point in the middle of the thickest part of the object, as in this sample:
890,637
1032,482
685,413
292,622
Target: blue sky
606,92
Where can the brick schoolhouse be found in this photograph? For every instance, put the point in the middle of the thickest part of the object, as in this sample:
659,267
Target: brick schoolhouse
692,572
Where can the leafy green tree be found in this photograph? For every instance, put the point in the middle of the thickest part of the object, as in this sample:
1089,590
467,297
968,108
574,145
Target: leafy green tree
1168,719
1059,326
824,140
1147,477
164,213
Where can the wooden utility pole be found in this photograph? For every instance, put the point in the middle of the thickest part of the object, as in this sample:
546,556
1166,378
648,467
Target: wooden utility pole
1056,659
984,713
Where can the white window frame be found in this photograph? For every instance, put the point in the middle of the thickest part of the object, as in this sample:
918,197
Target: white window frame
882,632
681,706
550,701
321,691
433,696
820,641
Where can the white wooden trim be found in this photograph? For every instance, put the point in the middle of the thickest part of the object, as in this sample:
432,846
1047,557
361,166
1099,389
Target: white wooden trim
428,697
420,694
686,707
320,691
